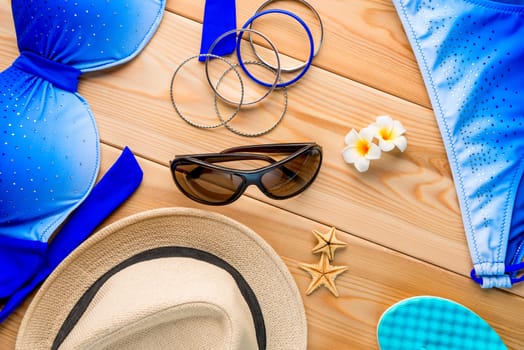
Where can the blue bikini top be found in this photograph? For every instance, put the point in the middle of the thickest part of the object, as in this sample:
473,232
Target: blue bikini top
49,146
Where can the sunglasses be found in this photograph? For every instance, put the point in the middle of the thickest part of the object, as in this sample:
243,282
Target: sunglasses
200,178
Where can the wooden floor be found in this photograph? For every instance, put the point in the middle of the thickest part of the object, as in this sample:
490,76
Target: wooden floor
401,219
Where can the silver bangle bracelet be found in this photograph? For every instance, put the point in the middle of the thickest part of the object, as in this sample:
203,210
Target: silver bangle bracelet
259,133
223,121
320,41
276,70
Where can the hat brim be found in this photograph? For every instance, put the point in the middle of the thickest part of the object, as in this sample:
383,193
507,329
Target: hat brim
276,291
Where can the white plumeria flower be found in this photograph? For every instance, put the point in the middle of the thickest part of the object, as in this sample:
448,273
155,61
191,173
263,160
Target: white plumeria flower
360,149
389,133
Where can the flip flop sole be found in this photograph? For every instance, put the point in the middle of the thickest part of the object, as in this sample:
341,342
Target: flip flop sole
432,323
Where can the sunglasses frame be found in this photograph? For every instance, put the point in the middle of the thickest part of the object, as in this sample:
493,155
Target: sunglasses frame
249,177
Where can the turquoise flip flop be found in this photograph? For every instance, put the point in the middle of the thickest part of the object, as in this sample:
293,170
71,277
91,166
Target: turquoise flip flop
433,323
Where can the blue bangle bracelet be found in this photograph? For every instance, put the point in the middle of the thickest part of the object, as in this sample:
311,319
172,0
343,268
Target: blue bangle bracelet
311,47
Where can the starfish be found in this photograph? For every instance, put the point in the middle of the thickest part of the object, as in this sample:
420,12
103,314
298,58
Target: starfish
327,243
323,274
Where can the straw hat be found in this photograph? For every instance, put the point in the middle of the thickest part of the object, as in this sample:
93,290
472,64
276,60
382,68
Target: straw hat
168,279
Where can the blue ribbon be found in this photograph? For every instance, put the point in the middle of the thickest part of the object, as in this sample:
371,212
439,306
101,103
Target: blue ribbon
119,182
219,17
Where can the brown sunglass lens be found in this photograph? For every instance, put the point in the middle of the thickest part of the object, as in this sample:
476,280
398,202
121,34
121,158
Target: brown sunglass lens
293,176
207,184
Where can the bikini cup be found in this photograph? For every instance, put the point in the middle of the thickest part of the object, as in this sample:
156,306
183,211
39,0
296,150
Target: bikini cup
49,145
471,57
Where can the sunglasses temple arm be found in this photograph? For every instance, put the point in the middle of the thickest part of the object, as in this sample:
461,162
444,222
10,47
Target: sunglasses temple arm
234,157
276,148
197,171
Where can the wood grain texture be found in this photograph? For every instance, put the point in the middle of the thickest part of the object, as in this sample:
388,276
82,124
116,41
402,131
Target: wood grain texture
401,219
377,276
398,194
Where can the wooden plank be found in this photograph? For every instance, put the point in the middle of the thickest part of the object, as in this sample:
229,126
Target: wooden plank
377,276
398,194
401,219
409,198
364,40
7,35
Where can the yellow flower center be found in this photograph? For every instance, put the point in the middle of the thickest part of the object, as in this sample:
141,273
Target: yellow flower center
362,147
386,134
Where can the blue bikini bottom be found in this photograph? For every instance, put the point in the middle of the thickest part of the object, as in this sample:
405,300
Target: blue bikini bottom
471,56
